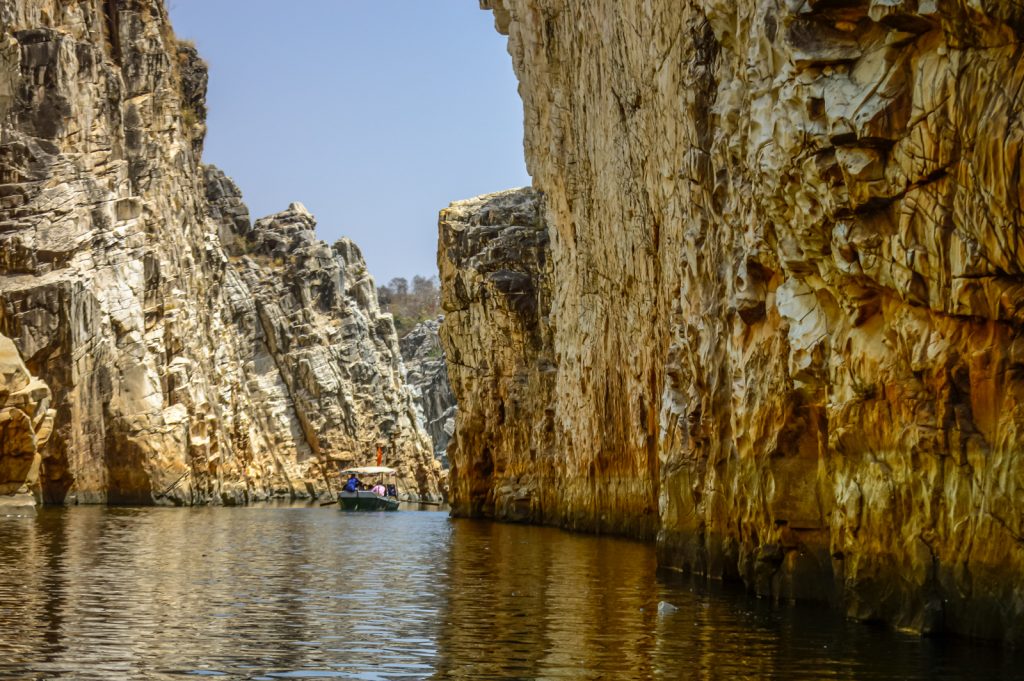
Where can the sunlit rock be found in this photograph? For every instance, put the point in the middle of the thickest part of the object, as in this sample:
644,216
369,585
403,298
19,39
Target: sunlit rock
782,301
183,369
426,372
321,358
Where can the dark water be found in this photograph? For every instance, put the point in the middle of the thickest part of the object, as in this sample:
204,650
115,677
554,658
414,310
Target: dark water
94,593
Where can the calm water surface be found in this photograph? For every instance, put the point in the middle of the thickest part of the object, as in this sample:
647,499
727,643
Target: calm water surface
298,593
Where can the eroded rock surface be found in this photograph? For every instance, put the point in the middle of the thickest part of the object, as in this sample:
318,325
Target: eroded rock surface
784,294
494,267
426,372
324,354
178,374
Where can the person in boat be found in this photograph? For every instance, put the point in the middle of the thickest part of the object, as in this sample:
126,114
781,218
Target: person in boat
379,490
392,491
352,484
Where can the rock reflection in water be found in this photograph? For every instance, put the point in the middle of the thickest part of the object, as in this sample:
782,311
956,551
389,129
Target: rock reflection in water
537,603
94,593
534,602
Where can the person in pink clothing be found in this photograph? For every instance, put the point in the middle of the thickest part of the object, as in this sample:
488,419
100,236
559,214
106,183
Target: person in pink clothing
379,490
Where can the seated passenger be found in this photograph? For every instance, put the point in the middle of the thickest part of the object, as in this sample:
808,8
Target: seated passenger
379,490
392,491
352,484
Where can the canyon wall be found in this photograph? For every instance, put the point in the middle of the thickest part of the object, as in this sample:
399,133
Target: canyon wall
426,373
192,358
494,268
325,358
784,324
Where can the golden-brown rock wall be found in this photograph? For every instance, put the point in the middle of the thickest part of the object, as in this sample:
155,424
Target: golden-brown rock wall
785,292
492,255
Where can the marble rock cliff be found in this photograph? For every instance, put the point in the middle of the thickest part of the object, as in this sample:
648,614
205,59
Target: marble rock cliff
784,291
426,372
326,358
494,267
191,357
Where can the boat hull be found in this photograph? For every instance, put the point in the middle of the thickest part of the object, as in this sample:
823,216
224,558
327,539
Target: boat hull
366,501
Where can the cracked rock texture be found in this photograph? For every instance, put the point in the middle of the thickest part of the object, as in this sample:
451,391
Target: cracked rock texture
317,343
495,286
191,358
427,374
783,300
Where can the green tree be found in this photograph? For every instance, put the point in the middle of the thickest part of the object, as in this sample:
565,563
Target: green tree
410,307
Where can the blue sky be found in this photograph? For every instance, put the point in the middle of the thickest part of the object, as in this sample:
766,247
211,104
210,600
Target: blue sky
373,114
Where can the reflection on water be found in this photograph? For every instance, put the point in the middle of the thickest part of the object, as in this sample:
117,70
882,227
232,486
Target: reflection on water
95,593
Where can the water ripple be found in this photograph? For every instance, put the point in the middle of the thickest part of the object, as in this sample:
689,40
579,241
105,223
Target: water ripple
313,593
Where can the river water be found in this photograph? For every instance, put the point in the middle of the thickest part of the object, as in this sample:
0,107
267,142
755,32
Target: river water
301,592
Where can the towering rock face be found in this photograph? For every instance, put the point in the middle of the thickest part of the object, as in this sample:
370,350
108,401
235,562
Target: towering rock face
784,314
426,372
493,260
163,358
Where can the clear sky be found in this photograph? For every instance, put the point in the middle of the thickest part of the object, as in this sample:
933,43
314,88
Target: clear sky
373,114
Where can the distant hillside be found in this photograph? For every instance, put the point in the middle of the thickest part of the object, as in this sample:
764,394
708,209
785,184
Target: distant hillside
410,305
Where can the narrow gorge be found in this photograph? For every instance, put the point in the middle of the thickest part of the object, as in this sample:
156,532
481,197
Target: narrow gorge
760,307
764,302
157,346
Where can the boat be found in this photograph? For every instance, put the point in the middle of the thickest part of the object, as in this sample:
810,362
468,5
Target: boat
365,500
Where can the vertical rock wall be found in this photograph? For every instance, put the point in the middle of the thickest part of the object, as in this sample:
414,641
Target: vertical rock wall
493,260
426,372
116,288
784,304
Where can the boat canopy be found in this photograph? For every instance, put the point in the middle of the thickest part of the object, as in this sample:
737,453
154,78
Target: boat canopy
369,470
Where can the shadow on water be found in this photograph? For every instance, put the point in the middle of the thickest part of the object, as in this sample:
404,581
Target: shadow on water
308,592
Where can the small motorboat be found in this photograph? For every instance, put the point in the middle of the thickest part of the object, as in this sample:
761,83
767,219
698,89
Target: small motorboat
367,500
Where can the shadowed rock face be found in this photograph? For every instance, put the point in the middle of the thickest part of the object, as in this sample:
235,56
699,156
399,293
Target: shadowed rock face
426,372
494,259
785,271
178,374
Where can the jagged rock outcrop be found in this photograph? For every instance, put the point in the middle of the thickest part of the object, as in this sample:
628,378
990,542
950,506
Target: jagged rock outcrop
116,288
784,300
25,424
426,372
326,356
